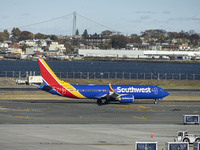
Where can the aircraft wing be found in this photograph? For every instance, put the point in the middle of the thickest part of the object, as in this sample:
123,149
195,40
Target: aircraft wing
111,94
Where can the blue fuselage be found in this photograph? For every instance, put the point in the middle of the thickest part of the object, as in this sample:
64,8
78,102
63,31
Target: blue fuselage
138,91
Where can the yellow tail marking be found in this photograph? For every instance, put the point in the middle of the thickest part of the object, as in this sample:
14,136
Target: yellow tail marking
62,83
71,89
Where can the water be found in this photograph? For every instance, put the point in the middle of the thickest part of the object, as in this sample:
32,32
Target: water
88,66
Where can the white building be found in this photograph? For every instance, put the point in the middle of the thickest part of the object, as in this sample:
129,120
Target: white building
112,53
32,50
28,42
3,45
16,50
184,47
56,46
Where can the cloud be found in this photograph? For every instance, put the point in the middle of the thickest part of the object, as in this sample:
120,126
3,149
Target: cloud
145,17
25,15
180,19
5,17
166,12
197,17
144,12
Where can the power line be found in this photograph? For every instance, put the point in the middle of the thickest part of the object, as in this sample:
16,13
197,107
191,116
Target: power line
37,23
97,23
45,21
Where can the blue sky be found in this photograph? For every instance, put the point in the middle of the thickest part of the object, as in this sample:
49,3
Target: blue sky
125,16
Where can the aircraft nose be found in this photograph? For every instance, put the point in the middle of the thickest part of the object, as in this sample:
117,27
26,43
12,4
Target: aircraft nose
166,93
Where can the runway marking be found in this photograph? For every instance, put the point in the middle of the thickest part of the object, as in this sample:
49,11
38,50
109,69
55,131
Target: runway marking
23,117
3,109
196,112
139,117
132,107
28,110
144,107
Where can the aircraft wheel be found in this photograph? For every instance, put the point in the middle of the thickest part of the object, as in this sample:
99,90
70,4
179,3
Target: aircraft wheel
107,102
99,101
155,102
186,140
197,140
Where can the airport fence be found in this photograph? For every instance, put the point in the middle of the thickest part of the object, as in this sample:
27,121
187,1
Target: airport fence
106,75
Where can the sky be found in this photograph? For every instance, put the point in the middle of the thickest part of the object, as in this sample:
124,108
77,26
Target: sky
125,16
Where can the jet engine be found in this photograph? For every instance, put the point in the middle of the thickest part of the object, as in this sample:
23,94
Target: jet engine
126,98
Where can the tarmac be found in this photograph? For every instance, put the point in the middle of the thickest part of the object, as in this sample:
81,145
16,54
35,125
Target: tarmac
28,124
86,136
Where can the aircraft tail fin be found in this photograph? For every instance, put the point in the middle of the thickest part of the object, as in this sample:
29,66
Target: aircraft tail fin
47,74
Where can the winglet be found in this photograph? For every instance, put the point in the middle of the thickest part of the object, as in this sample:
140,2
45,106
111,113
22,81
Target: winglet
110,88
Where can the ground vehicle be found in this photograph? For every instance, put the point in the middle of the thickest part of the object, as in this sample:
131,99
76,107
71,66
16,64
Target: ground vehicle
183,136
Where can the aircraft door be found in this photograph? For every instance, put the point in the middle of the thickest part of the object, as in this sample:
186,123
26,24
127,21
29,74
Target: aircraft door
63,91
155,90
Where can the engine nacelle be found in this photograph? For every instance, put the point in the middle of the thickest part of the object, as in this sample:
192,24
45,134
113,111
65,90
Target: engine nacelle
127,98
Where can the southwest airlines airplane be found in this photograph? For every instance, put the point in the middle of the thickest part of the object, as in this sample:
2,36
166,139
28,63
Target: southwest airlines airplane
107,93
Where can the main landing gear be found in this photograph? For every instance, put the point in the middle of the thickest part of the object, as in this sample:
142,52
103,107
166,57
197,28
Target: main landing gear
99,102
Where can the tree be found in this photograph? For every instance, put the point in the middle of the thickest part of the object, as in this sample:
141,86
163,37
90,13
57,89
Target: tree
23,47
6,34
195,39
26,35
135,39
53,37
15,34
85,34
69,47
2,38
104,46
107,32
77,32
39,36
119,41
172,35
75,42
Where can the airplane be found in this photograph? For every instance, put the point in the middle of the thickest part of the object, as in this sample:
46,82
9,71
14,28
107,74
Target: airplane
106,93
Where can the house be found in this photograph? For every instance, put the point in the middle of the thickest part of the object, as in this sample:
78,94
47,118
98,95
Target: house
32,50
16,50
96,39
3,45
184,47
13,46
52,53
55,46
31,43
38,55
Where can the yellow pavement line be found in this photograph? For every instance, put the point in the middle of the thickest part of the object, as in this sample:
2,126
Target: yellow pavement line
139,117
23,117
196,112
144,107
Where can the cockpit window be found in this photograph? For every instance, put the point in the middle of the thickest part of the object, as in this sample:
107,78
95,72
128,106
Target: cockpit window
161,89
